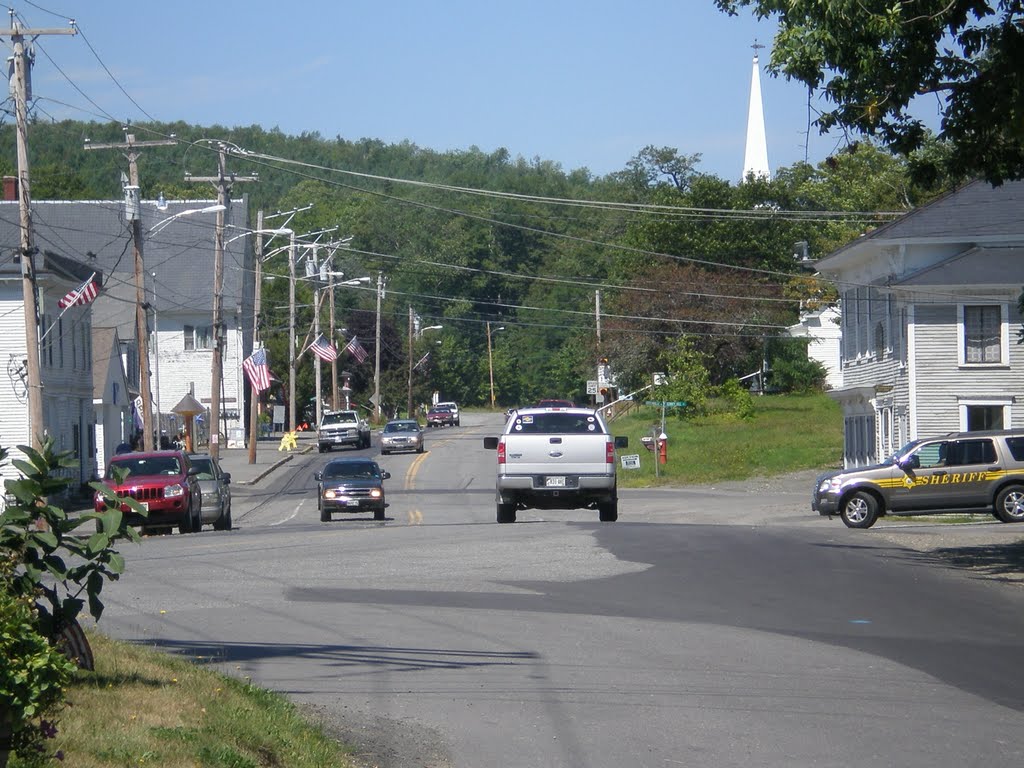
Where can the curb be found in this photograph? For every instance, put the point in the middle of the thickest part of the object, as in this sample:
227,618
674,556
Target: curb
274,466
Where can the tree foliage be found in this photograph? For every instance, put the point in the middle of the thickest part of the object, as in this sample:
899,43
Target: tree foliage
670,249
872,58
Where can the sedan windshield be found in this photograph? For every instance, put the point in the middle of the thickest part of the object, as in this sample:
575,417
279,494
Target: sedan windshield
363,470
402,426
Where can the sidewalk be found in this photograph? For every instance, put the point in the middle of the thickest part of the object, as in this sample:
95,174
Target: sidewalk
268,458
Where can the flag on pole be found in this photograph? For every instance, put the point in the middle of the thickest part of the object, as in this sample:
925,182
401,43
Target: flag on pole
83,294
356,349
137,412
257,369
323,349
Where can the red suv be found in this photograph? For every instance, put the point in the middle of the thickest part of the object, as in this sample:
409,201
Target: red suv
165,484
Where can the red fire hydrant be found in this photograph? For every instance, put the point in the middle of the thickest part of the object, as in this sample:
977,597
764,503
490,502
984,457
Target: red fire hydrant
662,448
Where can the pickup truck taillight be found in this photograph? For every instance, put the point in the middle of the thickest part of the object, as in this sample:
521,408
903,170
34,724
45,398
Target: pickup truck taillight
501,451
609,452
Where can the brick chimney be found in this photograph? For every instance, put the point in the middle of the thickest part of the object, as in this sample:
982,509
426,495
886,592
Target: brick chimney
10,187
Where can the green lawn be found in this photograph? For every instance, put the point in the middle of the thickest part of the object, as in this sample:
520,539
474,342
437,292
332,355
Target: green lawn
787,433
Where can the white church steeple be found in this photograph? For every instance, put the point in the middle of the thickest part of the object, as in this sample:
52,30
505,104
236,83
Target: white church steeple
755,159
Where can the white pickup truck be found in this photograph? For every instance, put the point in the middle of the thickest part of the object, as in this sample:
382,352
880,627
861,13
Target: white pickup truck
341,428
556,458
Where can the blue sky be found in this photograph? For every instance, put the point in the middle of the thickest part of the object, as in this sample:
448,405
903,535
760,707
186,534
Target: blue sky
580,83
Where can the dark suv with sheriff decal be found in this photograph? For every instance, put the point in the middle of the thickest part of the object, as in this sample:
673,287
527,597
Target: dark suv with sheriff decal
958,472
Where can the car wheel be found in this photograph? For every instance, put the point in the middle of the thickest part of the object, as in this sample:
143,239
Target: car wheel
860,510
383,452
1010,504
378,514
325,515
223,523
419,449
608,512
187,524
321,449
506,513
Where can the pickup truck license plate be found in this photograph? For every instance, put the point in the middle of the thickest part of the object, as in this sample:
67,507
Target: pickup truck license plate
555,481
144,505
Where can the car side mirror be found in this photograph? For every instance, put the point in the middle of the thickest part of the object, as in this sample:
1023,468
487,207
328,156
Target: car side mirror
227,478
318,476
622,441
910,462
386,475
193,471
491,443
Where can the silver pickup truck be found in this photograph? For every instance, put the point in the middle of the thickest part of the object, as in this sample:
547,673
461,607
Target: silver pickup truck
556,458
341,428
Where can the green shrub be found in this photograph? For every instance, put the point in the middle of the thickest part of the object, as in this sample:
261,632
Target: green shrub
33,675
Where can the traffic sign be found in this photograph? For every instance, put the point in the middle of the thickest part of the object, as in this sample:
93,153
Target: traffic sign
666,403
592,387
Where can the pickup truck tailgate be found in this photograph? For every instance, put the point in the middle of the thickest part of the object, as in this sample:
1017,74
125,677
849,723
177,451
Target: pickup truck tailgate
555,454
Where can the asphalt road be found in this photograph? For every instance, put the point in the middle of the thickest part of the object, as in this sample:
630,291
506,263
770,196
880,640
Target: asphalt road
708,627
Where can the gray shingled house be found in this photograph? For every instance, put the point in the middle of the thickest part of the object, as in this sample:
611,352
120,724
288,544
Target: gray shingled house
179,261
930,321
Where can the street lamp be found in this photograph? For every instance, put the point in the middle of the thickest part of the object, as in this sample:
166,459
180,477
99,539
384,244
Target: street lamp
422,331
163,223
335,400
490,357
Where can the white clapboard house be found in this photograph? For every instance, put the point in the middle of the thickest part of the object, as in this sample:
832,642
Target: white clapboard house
930,321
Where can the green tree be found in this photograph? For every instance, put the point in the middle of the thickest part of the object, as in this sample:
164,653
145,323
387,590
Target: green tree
872,58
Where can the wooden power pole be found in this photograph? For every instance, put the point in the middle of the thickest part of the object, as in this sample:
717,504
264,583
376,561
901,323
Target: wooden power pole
141,325
22,93
223,183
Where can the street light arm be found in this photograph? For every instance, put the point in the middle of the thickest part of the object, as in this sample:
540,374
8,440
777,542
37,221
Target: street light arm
208,209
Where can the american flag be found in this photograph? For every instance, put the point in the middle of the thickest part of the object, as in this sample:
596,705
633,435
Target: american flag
257,370
323,349
83,294
356,349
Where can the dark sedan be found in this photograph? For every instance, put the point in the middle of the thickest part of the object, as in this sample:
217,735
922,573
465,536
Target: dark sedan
351,485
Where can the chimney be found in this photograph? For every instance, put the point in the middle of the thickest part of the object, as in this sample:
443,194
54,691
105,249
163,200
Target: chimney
10,188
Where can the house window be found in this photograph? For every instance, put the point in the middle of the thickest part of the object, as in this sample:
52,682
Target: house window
981,412
982,330
198,337
76,440
879,341
980,417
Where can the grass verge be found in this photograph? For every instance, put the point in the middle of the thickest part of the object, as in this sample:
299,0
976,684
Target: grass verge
787,433
142,707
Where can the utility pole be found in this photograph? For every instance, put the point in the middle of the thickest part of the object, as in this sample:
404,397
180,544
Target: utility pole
22,93
316,334
132,198
490,362
409,405
376,359
254,397
291,332
223,183
335,405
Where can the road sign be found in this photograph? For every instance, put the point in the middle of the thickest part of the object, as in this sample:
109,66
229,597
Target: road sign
631,462
592,387
666,403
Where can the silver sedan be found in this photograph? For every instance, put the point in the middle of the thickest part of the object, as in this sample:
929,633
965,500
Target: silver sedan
401,435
